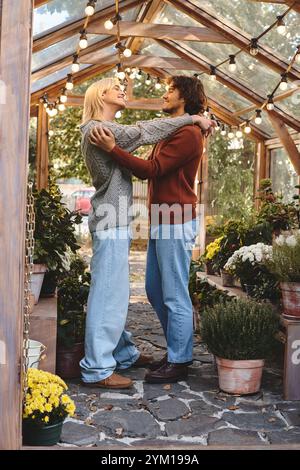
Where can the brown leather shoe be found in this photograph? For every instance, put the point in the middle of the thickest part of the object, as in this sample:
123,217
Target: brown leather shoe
168,373
113,381
157,364
143,361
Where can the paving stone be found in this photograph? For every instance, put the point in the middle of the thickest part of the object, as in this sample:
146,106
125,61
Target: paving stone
254,421
204,358
111,444
292,417
133,424
202,384
291,436
193,426
167,410
199,407
152,391
79,434
125,404
234,437
133,373
219,399
288,405
254,407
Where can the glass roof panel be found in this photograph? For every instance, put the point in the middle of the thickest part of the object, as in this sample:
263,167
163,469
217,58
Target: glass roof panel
52,78
255,17
170,15
265,126
291,105
59,50
57,12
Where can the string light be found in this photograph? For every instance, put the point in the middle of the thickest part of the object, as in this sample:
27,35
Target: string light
50,133
232,63
90,8
75,65
127,52
254,46
239,133
247,128
69,84
258,118
158,84
212,75
230,133
281,29
63,97
148,80
83,42
270,103
108,24
223,130
206,112
61,107
284,83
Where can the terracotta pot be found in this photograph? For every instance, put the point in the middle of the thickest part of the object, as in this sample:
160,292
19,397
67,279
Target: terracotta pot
67,361
290,292
240,377
227,279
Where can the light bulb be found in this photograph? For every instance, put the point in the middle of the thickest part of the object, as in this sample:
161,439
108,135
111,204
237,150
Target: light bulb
230,134
258,119
132,76
239,133
232,67
127,52
270,106
232,64
61,107
63,98
283,85
121,75
83,44
247,128
212,75
54,111
223,131
108,24
45,105
253,47
157,86
90,9
69,86
148,80
118,114
75,67
281,29
50,133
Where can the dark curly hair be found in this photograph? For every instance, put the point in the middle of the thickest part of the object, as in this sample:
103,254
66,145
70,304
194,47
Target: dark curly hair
192,91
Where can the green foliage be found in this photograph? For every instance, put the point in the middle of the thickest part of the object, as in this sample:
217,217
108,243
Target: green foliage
285,263
230,178
54,229
241,329
73,290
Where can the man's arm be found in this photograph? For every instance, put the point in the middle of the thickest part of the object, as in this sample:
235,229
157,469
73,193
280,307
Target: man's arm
175,154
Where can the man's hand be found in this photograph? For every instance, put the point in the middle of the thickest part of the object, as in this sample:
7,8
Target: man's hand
102,137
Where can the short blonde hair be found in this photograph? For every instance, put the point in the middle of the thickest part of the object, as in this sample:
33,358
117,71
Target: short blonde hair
93,101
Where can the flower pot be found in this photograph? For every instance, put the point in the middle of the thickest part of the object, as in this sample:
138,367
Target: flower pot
240,377
35,435
67,361
290,292
209,268
227,279
37,278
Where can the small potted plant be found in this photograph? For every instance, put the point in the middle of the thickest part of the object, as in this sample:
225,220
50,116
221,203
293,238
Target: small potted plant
285,265
45,407
54,234
240,334
210,253
73,290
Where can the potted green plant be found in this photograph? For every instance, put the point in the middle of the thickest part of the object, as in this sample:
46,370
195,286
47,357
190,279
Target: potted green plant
54,234
45,407
241,334
72,295
285,265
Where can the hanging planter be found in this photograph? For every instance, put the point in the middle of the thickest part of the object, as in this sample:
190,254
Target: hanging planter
35,435
37,280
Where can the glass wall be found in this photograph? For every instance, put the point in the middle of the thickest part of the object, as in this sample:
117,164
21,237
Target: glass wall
283,175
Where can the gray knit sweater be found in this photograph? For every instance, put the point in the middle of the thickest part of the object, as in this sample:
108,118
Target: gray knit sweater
113,196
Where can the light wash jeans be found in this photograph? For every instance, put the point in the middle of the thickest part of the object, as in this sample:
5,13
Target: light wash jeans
167,278
107,344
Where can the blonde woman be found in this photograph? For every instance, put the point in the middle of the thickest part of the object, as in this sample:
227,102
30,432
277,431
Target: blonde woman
107,344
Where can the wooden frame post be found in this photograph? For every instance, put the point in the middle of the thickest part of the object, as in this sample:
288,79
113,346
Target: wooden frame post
15,65
42,148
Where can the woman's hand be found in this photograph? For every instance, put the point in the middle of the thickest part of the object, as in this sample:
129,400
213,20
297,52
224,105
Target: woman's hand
207,125
102,137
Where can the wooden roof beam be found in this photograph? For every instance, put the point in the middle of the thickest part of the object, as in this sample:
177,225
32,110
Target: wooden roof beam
61,32
190,54
235,35
286,140
160,31
295,7
39,3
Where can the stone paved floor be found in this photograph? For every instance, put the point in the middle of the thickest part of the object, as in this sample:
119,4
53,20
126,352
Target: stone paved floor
191,412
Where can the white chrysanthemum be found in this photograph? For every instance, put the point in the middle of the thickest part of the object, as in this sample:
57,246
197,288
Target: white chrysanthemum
291,241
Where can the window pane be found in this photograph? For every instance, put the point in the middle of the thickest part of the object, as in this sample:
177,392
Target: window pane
57,12
283,175
54,77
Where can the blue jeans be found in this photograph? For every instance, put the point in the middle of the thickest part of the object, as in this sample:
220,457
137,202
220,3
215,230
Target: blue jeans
107,344
167,278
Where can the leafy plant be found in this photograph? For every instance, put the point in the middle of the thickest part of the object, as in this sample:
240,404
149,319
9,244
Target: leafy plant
241,329
54,229
73,290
